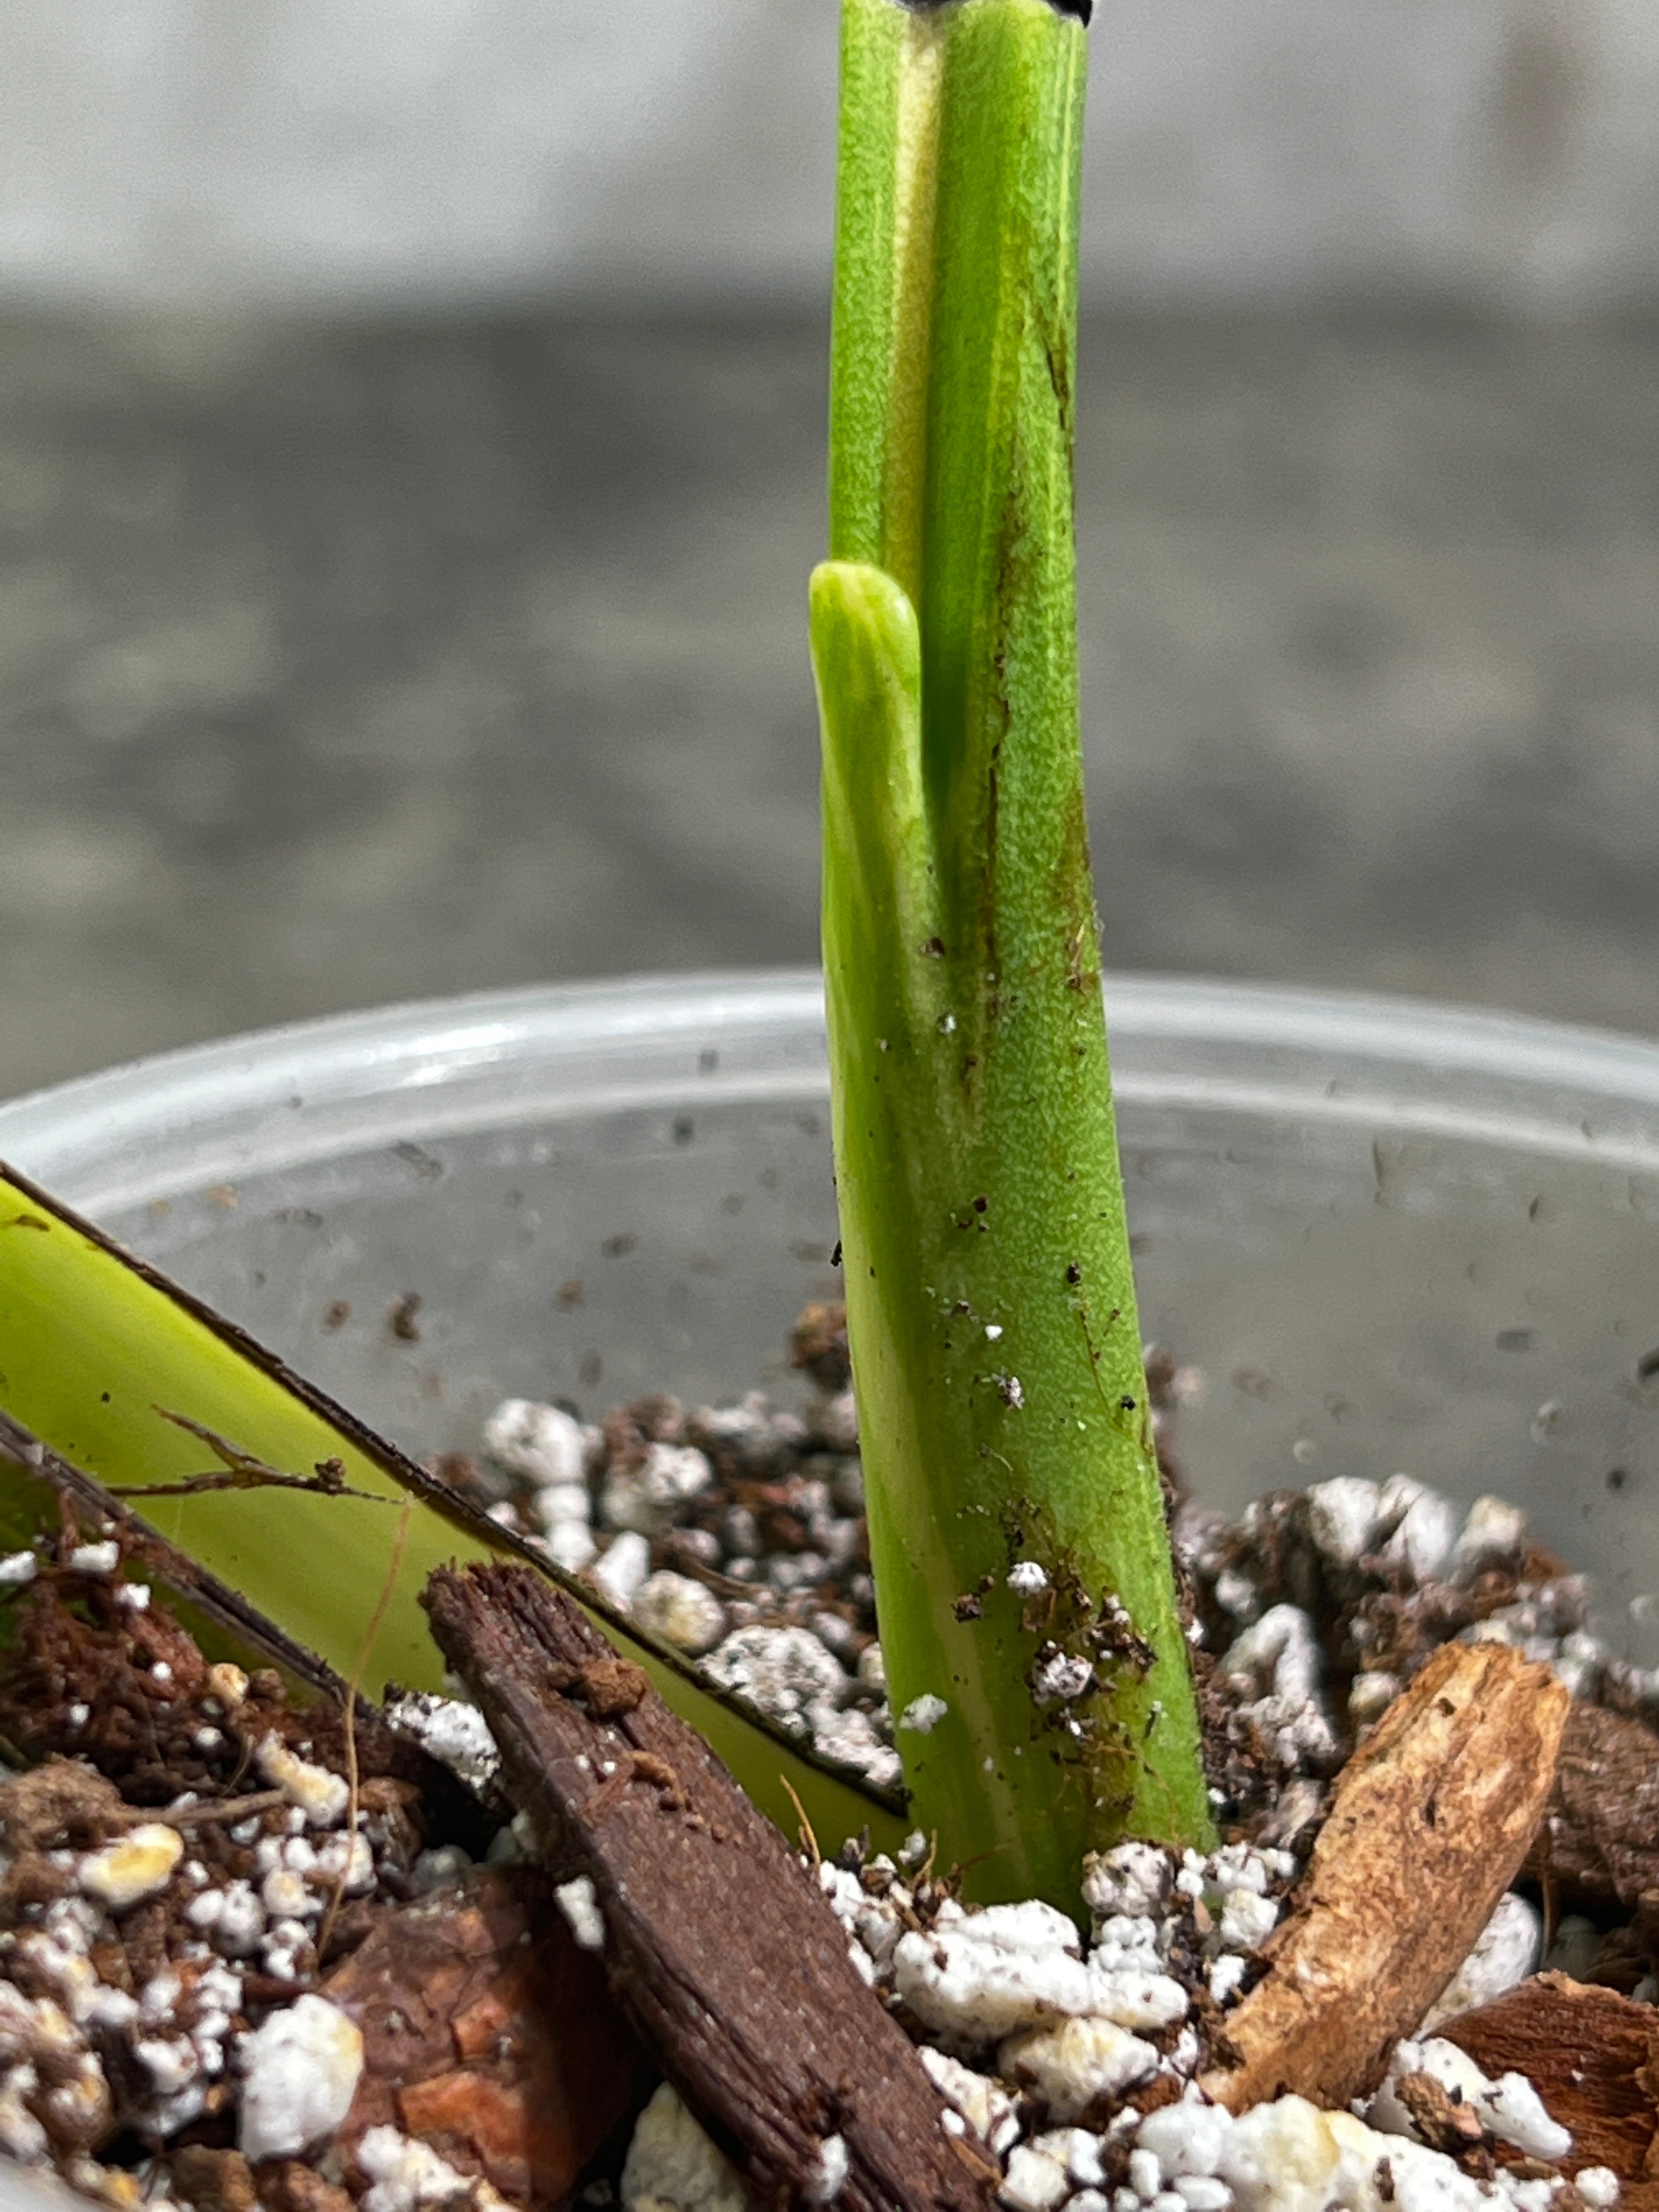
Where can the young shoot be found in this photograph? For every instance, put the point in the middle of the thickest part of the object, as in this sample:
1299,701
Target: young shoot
1036,1659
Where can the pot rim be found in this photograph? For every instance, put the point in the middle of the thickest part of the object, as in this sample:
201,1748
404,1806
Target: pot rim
274,1097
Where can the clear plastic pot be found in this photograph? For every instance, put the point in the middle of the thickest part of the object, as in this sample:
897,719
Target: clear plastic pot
1377,1236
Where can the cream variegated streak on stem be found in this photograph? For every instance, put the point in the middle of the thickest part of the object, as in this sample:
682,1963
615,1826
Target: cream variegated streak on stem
915,196
996,1348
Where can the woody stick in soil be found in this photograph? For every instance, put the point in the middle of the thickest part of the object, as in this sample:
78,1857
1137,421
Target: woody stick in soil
991,1306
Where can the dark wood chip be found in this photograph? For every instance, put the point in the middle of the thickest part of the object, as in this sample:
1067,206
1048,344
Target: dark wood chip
1593,2057
289,2185
717,1941
488,2035
213,2180
1599,1842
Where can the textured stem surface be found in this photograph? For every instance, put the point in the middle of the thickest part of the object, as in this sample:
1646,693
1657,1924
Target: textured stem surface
991,1306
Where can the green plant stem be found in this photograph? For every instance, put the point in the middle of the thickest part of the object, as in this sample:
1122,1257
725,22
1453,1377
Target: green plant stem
997,1353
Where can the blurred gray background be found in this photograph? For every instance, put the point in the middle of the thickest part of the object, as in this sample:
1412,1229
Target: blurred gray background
410,461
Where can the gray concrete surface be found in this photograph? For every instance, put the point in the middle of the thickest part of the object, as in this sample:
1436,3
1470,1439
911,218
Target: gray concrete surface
338,665
293,152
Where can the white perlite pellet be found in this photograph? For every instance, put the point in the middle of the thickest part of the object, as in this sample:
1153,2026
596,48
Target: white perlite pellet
1598,2185
580,1906
21,2135
1036,2181
980,2099
838,1421
1225,1976
233,1919
1145,2175
1136,1999
299,2074
645,1497
1061,1678
1494,1530
542,1442
1342,1517
437,1868
1070,2065
321,1795
557,1502
569,1545
1132,1879
851,1740
1202,2192
96,1559
1509,2107
135,1866
1186,2139
672,2167
620,1571
1505,1952
456,1734
1278,1657
228,1684
830,2171
405,2175
1425,1526
1280,1652
785,1672
997,1972
684,1613
1370,1694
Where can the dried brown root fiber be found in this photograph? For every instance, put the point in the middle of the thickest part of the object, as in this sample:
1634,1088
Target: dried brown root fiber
1431,1818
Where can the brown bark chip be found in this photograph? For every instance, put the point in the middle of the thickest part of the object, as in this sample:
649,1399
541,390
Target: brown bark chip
1444,2123
58,1799
1431,1818
1599,1842
818,1344
488,2034
213,2180
1592,2056
288,2185
716,1938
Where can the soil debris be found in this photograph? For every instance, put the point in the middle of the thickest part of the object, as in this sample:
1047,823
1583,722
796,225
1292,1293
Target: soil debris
189,1856
205,1984
817,1345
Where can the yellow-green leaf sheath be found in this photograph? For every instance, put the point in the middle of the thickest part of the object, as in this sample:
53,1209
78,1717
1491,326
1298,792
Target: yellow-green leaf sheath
92,1345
